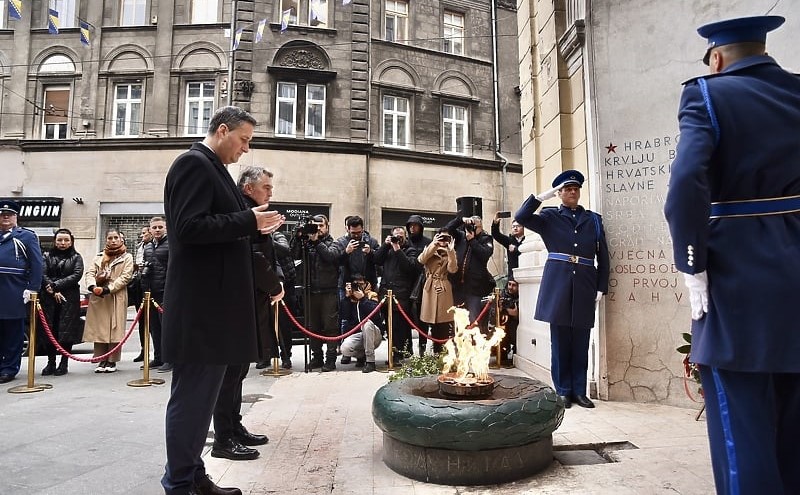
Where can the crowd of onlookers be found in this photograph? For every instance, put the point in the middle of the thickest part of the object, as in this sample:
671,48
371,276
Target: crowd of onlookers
344,282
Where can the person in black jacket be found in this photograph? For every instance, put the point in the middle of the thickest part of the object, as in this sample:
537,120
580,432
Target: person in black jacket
61,299
206,330
474,248
510,242
231,439
154,278
283,252
398,260
415,226
323,304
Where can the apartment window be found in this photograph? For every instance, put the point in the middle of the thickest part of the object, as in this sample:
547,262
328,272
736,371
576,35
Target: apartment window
395,121
453,36
66,12
199,107
286,109
133,13
55,121
454,129
396,20
315,111
307,12
127,109
204,11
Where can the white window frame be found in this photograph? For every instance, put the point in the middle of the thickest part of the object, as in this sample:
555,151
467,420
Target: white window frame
129,12
322,10
397,13
130,103
315,103
395,115
202,101
294,17
205,11
66,12
453,32
57,125
457,125
283,100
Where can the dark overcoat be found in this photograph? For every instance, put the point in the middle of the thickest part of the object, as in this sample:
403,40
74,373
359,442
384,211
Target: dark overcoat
753,262
568,290
209,308
63,271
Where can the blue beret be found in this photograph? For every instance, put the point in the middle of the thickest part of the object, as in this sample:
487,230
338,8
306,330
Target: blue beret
569,177
9,205
739,30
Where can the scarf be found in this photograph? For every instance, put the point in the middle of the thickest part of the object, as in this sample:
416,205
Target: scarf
109,255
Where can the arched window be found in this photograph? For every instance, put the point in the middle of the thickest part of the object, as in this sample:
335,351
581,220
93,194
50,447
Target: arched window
56,95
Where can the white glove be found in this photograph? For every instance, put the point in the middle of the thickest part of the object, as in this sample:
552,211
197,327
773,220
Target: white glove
598,297
550,193
698,293
26,296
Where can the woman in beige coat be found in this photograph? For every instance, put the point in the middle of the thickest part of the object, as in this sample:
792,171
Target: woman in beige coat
439,259
107,280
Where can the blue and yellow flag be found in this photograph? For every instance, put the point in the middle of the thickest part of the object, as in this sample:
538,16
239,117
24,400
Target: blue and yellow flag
52,21
286,16
260,30
85,33
15,9
237,38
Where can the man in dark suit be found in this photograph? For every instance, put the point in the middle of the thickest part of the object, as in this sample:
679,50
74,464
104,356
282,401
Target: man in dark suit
572,283
732,209
209,320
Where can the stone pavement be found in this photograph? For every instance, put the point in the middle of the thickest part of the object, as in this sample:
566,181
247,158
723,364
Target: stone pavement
94,434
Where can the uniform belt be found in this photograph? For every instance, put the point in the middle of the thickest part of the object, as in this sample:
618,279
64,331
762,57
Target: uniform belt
570,258
755,207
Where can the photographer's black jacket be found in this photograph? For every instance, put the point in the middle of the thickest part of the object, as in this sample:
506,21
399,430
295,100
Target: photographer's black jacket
323,261
399,269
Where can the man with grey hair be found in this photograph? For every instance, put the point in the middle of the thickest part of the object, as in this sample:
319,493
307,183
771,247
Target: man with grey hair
205,330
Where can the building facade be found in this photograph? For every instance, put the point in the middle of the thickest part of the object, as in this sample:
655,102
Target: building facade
378,109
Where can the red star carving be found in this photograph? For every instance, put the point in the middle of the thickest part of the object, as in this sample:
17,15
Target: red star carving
611,148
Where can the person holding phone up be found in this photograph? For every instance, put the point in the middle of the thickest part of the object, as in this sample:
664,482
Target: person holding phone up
510,242
439,260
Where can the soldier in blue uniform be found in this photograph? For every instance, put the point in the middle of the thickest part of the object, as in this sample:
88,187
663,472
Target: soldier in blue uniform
20,272
732,209
571,284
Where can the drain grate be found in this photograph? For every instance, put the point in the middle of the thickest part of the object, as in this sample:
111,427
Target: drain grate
587,454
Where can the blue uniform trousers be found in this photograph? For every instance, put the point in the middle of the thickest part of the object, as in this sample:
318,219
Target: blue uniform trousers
194,392
12,339
753,429
569,359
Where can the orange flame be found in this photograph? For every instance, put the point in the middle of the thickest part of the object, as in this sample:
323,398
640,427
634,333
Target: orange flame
469,351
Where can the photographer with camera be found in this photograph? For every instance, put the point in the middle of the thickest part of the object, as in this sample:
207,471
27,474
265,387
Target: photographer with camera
398,260
357,252
510,242
474,248
509,320
322,306
359,301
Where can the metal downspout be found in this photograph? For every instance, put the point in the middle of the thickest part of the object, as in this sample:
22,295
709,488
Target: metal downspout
496,98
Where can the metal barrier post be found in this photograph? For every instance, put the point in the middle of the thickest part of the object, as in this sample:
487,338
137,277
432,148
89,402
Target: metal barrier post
389,325
31,386
498,349
276,371
146,381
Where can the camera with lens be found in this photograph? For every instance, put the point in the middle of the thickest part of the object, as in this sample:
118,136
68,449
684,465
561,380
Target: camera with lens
469,227
396,239
308,227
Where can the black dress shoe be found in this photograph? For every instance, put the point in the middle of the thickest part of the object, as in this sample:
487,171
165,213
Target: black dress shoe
368,367
567,401
286,364
262,364
139,358
244,437
583,401
49,369
6,378
346,360
204,486
234,451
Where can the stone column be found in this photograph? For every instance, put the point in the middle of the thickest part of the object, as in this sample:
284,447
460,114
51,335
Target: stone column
16,88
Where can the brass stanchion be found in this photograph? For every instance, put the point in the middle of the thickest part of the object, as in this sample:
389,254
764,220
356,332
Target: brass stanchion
31,386
389,322
498,349
276,371
146,381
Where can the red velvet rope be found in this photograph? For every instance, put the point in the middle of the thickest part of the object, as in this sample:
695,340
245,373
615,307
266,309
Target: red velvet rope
482,313
159,307
415,327
64,352
325,337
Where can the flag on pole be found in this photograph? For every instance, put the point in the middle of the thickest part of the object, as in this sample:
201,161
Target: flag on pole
85,33
260,29
237,38
15,9
52,21
285,18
